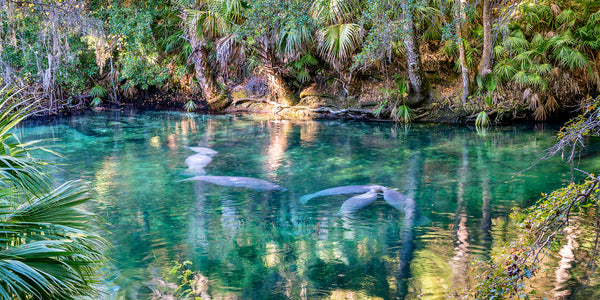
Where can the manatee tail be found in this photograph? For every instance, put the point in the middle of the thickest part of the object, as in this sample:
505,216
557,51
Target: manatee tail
306,198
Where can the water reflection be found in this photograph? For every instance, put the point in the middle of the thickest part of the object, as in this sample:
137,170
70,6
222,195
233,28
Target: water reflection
460,261
277,146
257,245
567,258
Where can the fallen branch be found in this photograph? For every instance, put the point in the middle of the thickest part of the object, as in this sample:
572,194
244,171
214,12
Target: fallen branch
323,109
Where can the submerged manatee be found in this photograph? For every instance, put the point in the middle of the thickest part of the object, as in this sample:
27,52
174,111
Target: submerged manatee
358,202
197,161
400,202
341,190
405,204
241,182
194,171
203,151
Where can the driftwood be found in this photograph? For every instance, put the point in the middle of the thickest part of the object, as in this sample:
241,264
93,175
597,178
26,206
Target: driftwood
351,112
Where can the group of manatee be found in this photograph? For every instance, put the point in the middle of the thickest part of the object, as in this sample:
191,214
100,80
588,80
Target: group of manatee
203,157
368,193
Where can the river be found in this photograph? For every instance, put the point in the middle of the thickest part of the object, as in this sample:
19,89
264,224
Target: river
267,244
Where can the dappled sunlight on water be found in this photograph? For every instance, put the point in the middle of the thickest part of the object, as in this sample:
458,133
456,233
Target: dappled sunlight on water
255,245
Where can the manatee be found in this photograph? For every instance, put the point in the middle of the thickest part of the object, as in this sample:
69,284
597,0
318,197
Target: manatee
341,190
358,202
197,161
194,171
203,151
405,204
241,182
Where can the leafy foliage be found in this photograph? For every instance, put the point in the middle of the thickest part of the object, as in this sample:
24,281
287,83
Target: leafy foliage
49,248
541,225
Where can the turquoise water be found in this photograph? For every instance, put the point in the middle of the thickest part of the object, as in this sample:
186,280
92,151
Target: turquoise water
267,245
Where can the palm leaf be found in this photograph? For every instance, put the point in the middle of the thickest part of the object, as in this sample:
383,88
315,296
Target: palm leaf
500,51
516,42
293,41
334,11
570,58
482,120
567,17
540,69
48,245
206,23
594,18
337,43
504,71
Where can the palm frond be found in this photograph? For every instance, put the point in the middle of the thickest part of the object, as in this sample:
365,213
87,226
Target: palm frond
524,58
516,42
337,43
538,41
293,41
540,69
234,10
500,51
570,58
551,104
540,113
334,11
48,245
403,113
504,70
567,17
482,120
594,18
206,23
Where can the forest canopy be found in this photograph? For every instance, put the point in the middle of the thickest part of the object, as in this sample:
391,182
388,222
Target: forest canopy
500,58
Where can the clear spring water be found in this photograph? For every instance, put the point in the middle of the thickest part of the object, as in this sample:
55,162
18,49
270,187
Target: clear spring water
268,245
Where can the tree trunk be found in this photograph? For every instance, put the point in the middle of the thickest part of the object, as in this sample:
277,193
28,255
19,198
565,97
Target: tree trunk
216,98
485,65
280,89
418,85
459,18
277,84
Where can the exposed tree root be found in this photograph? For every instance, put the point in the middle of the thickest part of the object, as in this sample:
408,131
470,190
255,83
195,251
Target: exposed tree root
354,113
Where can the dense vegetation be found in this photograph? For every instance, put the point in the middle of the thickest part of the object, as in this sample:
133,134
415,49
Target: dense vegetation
501,58
397,59
49,246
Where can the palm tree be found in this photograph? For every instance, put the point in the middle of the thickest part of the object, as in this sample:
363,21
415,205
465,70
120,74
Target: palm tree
340,35
49,248
459,19
485,65
418,84
205,23
279,34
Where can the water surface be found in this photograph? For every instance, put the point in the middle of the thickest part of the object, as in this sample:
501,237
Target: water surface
268,245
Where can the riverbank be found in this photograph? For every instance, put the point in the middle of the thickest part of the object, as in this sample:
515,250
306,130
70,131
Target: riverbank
252,97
